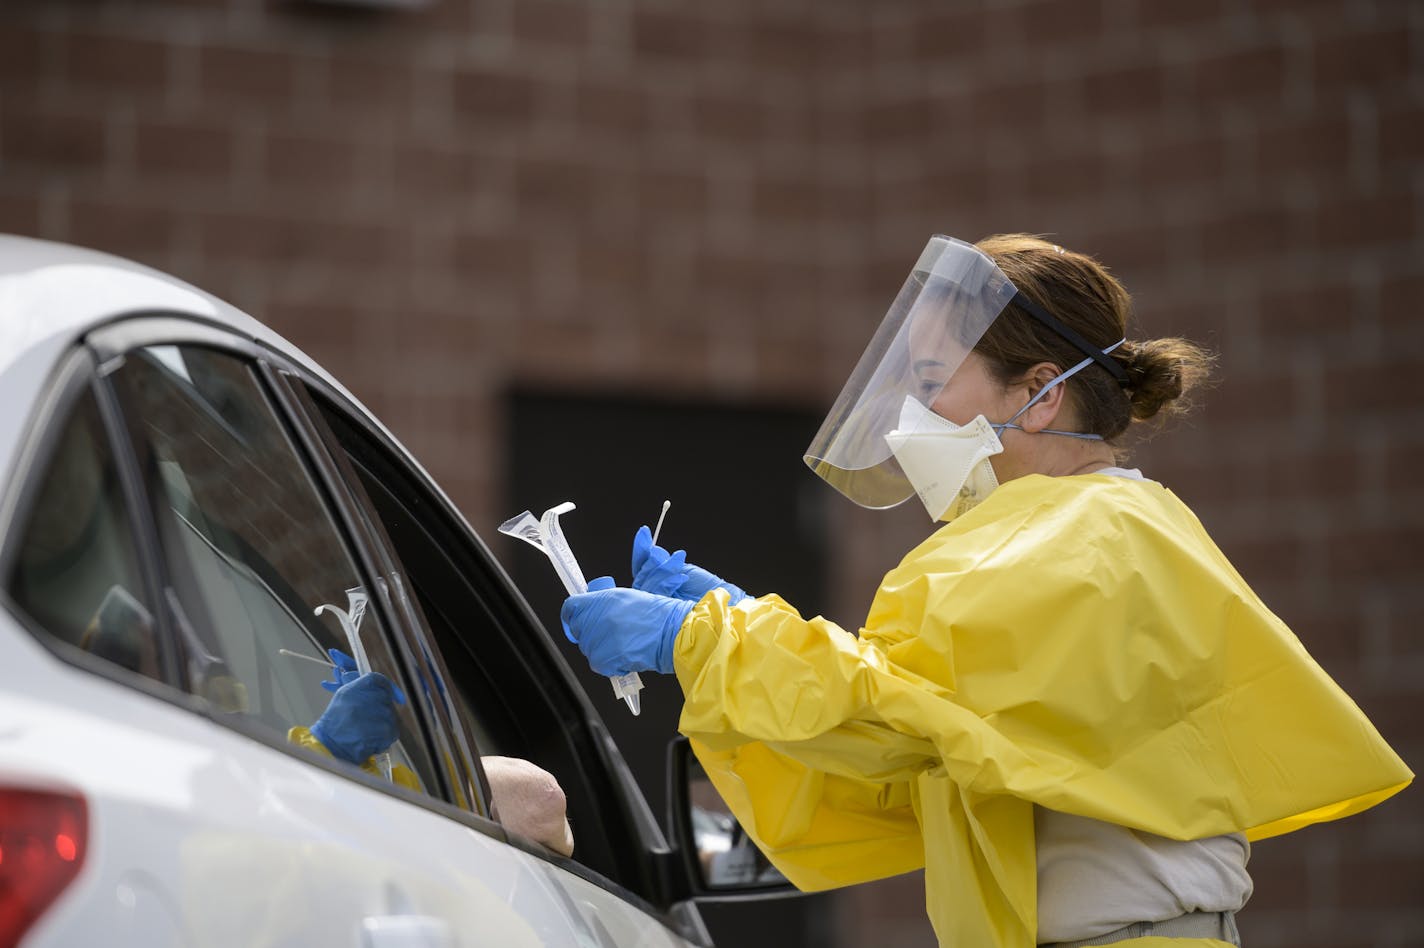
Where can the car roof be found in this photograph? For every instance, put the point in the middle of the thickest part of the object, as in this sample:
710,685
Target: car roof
51,294
50,290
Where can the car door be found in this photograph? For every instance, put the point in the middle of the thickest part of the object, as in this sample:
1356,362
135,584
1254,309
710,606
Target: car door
211,824
507,685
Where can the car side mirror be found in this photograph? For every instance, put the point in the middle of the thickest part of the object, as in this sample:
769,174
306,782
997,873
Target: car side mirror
720,860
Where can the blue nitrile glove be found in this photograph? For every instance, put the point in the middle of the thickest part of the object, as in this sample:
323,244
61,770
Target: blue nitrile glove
360,720
657,572
623,630
344,672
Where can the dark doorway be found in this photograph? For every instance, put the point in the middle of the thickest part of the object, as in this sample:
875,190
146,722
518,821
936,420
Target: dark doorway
743,506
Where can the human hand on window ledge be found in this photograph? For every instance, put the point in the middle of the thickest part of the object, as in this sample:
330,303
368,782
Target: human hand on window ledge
529,801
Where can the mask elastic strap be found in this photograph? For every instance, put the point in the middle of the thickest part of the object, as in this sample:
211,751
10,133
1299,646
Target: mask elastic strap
1063,377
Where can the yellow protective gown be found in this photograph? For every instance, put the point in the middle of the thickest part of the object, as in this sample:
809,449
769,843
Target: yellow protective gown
400,773
1077,643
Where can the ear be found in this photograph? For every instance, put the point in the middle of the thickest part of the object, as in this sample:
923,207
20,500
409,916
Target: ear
1047,409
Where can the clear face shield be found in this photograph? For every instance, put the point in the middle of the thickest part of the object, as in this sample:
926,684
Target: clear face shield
952,295
882,421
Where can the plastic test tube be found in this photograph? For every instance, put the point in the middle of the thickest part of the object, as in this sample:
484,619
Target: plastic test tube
546,534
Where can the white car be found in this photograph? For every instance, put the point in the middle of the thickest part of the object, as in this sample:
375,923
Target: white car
183,491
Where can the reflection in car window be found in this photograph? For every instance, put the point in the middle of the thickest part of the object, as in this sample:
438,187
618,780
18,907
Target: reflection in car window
77,571
509,698
250,549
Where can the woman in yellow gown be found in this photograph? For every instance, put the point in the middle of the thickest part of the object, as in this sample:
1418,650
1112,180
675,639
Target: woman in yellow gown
1065,705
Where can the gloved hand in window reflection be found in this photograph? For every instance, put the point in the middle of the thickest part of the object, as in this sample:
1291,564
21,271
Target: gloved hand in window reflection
344,671
360,720
623,630
656,571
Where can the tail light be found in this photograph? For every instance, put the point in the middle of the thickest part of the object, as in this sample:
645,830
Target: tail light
42,841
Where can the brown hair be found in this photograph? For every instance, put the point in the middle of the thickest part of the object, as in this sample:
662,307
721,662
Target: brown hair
1079,292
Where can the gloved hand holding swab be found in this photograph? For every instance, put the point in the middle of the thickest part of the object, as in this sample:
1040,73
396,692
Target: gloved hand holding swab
545,535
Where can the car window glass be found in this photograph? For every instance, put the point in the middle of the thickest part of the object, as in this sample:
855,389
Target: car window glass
506,693
77,571
250,548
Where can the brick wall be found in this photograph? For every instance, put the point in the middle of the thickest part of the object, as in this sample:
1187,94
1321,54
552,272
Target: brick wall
722,198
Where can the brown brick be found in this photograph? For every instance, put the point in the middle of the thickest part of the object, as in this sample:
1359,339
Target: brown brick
553,186
501,257
1018,105
1318,145
1173,15
1381,880
723,117
1303,314
1243,399
451,174
1387,386
842,49
1401,297
1369,60
674,193
368,83
1062,177
1301,476
164,149
1355,222
22,55
50,140
1251,231
250,236
20,214
563,22
608,107
1166,164
1135,88
1401,139
785,199
1247,77
293,159
907,118
668,34
130,230
237,73
1375,553
951,34
611,264
483,95
116,64
1048,21
782,41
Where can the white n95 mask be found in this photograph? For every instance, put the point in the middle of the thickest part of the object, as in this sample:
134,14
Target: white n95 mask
948,465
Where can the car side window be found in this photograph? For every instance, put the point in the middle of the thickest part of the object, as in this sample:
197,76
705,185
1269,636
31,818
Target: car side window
77,568
251,552
504,684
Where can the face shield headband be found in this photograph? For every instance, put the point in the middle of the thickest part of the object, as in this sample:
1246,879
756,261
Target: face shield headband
953,294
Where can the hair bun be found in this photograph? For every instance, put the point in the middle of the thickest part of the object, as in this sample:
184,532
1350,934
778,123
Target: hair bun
1160,372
